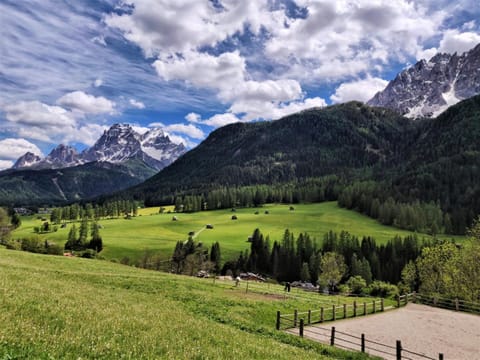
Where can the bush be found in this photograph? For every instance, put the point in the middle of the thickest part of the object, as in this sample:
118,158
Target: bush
53,249
33,244
12,244
88,254
382,289
357,284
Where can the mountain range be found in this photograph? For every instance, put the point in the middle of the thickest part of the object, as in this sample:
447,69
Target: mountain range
429,87
117,145
120,158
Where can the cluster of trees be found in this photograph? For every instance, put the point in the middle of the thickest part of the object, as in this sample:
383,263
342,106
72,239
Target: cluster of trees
190,257
446,269
372,199
309,190
111,209
78,240
45,228
335,260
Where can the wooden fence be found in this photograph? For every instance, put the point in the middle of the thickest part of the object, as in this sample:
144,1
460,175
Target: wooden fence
451,304
360,343
329,313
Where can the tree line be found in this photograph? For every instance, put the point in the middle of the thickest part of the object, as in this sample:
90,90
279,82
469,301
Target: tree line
304,258
371,199
89,211
78,239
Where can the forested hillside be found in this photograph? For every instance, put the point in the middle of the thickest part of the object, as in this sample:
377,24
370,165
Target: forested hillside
429,166
339,140
56,186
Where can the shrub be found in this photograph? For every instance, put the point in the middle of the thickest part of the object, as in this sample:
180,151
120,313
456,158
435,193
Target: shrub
382,289
357,284
88,254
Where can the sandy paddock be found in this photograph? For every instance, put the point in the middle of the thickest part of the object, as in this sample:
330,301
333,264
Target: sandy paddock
421,329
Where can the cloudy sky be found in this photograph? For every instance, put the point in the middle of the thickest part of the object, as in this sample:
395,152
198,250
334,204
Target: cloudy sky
69,69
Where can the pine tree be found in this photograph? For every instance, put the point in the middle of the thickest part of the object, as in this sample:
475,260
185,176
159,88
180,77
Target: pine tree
215,256
72,238
96,242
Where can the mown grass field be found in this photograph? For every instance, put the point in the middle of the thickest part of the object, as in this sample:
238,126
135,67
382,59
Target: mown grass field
53,307
157,232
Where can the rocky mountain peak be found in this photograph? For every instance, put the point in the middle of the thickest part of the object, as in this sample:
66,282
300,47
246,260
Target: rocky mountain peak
429,87
116,145
63,154
26,160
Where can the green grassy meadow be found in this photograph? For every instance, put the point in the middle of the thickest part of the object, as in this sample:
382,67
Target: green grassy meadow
53,307
157,232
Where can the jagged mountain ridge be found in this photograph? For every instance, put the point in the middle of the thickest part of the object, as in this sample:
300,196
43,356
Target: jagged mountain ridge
430,87
117,145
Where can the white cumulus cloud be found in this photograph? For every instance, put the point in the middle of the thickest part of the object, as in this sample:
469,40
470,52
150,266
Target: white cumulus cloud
360,90
193,117
137,104
459,42
35,113
86,103
5,164
12,149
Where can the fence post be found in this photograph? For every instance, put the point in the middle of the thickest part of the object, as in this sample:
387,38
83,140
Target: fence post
414,297
399,350
457,305
382,305
440,356
321,315
373,307
364,308
295,318
332,336
301,327
334,315
309,320
344,311
398,300
355,308
246,289
278,320
363,343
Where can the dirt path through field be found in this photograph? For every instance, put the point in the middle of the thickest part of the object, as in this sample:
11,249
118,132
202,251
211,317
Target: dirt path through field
421,329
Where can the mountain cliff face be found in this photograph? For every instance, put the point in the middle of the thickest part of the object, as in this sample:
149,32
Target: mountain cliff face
429,88
117,145
27,160
120,158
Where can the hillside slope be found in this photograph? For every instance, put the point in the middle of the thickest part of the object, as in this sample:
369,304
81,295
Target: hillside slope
444,163
67,308
313,143
55,186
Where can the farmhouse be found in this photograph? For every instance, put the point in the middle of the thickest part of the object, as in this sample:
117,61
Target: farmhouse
251,277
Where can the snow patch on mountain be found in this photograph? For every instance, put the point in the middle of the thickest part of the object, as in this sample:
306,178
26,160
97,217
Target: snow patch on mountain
118,144
428,88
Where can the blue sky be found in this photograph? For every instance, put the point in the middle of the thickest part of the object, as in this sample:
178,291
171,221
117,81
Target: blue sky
70,69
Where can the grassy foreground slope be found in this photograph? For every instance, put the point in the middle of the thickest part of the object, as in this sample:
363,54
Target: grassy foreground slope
157,232
69,308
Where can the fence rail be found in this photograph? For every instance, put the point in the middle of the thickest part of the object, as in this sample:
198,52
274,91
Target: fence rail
329,313
360,343
445,303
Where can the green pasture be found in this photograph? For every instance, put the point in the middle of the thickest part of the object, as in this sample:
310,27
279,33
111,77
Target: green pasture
157,232
53,307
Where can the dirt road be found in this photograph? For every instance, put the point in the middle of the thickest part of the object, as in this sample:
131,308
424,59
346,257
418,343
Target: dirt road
421,329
